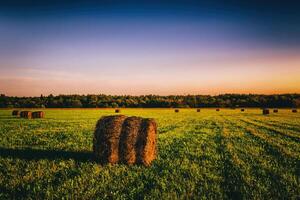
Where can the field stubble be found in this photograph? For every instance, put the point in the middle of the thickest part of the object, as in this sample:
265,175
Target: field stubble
202,155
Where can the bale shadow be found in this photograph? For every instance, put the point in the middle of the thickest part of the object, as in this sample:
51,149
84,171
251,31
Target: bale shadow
39,154
5,117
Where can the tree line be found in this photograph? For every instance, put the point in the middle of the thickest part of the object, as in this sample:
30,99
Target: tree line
151,101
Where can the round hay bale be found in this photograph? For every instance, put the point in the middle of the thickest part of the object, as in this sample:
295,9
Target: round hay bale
217,109
130,140
176,110
146,144
294,110
106,138
198,110
26,114
130,130
117,111
266,111
15,113
275,110
242,110
38,114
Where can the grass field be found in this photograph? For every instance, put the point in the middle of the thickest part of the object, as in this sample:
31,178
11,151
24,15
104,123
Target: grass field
206,155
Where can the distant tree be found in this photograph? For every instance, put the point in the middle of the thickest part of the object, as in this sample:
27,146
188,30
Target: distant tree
76,103
114,105
150,101
296,103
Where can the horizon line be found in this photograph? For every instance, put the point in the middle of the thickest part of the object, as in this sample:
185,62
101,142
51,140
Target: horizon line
220,94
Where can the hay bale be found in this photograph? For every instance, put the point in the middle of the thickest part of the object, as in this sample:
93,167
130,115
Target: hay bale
217,109
275,110
106,139
26,114
129,136
15,113
176,110
294,110
22,113
198,110
266,111
146,145
121,139
242,110
38,114
138,141
117,111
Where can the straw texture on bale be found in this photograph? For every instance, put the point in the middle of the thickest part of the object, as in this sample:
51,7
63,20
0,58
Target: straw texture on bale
15,112
176,110
275,110
121,139
266,111
198,110
294,110
138,141
38,114
25,114
117,111
146,144
106,139
130,131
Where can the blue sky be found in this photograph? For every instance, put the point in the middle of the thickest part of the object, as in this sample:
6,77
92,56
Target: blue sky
153,47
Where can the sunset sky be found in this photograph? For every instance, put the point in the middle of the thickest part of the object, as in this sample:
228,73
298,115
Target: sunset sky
183,47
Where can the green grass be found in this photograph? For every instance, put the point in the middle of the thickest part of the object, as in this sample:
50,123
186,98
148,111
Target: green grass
206,155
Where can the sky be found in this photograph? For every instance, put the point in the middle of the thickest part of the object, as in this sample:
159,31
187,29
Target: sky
149,47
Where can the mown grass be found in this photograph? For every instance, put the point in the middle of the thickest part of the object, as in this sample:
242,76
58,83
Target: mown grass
207,155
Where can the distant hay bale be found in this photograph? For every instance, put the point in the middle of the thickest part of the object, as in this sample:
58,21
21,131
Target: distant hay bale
176,110
275,110
266,111
294,110
26,114
15,113
242,110
121,139
217,109
117,111
38,114
198,110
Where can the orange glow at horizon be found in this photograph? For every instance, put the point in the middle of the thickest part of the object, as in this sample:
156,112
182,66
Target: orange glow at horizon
263,74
